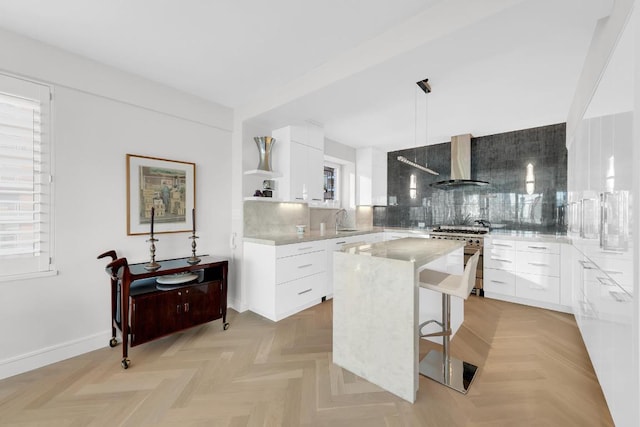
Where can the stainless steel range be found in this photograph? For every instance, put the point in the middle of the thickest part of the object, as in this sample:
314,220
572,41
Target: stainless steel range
473,236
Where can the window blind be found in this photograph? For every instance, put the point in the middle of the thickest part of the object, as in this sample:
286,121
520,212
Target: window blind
24,177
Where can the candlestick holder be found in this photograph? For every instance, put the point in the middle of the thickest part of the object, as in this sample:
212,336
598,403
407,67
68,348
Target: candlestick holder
152,265
193,259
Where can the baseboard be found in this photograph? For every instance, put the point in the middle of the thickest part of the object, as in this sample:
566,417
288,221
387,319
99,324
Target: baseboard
236,305
46,356
530,303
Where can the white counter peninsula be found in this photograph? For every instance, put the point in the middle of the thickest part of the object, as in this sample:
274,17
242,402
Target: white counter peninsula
378,305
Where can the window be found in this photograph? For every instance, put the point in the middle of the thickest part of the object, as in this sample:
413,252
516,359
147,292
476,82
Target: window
25,189
329,183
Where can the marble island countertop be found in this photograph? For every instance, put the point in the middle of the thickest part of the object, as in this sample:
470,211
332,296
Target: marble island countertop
307,236
413,249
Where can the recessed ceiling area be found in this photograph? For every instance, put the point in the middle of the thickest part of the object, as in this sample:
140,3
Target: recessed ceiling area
513,67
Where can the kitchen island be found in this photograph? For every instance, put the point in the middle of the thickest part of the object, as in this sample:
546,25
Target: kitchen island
378,303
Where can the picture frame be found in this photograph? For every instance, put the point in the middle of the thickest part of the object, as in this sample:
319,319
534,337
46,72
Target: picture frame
169,186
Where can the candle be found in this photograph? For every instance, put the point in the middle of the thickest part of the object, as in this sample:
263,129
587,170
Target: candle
193,219
153,212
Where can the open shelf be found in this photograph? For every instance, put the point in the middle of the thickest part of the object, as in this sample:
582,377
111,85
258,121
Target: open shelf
263,173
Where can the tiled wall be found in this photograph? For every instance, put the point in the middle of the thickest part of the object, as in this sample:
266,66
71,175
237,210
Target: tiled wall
499,159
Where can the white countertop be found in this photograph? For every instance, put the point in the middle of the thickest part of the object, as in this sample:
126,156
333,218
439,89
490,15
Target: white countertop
313,235
533,236
413,249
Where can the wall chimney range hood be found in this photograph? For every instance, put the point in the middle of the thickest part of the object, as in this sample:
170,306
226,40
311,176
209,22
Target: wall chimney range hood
460,165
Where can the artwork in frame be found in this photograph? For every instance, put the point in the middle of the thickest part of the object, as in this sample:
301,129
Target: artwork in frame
167,186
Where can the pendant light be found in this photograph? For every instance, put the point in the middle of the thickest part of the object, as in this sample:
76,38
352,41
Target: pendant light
426,88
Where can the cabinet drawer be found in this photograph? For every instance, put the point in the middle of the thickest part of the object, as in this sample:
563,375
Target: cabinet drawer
337,244
537,287
535,263
295,267
291,295
299,248
499,244
501,259
542,247
500,282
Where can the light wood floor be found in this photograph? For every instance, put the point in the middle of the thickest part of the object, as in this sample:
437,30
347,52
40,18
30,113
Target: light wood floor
533,371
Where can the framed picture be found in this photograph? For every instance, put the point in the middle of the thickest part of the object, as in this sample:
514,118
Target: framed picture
167,186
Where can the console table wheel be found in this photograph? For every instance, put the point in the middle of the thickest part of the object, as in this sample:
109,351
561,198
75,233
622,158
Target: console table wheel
113,342
125,363
226,326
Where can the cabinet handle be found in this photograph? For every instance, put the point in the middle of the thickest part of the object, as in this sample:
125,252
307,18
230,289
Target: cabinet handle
619,296
538,264
604,281
305,291
341,243
305,266
583,263
537,247
186,307
505,245
319,200
501,259
305,249
613,272
178,309
499,282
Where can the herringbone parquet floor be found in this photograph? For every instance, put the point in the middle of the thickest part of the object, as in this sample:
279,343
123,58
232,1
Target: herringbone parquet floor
533,371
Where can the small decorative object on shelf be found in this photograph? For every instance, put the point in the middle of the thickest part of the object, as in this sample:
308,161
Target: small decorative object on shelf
193,259
152,265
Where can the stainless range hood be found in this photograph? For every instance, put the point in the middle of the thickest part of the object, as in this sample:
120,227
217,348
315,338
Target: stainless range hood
460,165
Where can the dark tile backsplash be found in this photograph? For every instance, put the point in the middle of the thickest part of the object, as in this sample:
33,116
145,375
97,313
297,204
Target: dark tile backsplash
499,159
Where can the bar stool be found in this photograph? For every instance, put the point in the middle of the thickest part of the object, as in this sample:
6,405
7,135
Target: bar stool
440,366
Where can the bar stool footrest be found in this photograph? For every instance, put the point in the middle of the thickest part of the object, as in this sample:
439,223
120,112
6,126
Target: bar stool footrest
453,373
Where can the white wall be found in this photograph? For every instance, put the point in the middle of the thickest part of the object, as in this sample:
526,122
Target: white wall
100,115
371,169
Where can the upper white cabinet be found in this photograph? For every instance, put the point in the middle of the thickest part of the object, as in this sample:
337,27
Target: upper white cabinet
604,155
299,155
371,180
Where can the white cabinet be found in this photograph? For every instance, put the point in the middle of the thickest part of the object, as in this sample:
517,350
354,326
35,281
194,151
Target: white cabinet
371,176
299,155
526,272
283,280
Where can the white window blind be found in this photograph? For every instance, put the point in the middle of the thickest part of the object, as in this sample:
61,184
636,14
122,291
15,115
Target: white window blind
25,188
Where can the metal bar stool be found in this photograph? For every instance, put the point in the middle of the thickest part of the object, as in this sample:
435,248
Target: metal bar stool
440,366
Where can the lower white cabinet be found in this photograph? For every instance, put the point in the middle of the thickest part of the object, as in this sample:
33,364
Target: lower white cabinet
525,272
283,280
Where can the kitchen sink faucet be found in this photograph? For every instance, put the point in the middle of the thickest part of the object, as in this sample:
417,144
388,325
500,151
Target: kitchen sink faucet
338,222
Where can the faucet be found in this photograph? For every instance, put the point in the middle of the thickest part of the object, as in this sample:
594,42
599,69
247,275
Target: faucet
338,223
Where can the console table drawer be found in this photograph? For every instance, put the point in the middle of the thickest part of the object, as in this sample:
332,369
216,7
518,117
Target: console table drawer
295,267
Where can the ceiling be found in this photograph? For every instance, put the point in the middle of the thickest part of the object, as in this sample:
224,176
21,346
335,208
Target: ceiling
512,68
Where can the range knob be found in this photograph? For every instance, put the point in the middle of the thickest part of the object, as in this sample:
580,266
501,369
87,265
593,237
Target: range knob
470,241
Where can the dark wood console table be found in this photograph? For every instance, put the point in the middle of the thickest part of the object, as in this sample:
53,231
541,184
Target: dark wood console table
155,311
